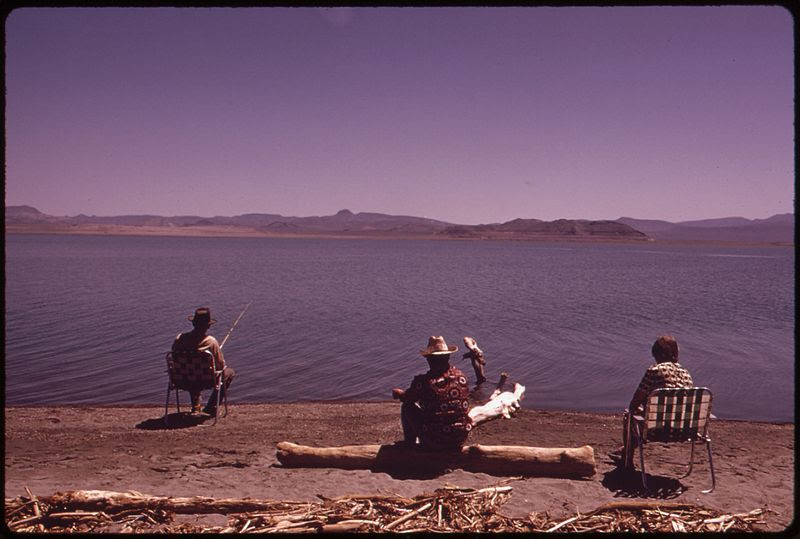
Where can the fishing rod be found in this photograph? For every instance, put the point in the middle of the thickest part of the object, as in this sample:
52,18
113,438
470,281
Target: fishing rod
233,326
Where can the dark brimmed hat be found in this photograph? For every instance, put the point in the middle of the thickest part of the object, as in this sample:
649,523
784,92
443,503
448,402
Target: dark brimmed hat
437,346
201,316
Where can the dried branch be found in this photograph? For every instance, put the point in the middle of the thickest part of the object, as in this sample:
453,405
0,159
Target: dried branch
448,509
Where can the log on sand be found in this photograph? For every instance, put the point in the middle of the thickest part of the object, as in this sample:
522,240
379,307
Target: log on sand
492,459
111,502
576,463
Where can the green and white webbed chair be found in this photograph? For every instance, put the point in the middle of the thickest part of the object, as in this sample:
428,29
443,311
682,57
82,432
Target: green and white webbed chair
675,415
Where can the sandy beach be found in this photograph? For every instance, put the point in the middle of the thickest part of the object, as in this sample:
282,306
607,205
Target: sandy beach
50,449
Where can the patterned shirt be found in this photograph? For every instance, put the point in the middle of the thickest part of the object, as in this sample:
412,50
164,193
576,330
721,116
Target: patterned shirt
444,401
666,374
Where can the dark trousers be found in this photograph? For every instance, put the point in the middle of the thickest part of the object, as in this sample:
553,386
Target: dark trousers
411,419
477,365
227,377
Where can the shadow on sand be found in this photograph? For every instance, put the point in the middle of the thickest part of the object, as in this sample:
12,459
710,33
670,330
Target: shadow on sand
182,420
393,473
627,483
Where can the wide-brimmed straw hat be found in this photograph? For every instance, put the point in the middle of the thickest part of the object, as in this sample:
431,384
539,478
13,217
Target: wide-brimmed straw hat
437,346
202,315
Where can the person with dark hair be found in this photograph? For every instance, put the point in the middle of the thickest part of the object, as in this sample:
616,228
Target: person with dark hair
199,339
666,372
435,408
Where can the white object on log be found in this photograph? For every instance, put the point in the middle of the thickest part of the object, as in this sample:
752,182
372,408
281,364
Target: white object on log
569,462
501,404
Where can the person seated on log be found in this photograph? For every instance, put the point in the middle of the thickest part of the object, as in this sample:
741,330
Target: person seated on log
435,408
666,372
475,356
198,339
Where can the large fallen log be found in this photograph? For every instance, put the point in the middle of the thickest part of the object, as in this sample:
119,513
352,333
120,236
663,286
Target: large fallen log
570,462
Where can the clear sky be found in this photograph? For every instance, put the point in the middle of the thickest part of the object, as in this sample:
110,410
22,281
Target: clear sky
468,115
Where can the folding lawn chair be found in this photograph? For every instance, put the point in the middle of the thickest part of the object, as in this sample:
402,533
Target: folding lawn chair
193,370
675,415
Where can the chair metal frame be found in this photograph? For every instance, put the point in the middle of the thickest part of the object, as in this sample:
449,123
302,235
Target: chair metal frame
204,376
675,415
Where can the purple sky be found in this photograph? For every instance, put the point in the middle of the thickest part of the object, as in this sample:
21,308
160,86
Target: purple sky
468,115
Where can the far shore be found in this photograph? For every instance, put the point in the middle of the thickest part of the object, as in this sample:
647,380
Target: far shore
245,232
53,448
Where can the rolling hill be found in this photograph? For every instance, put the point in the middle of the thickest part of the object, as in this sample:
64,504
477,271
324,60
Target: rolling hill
776,229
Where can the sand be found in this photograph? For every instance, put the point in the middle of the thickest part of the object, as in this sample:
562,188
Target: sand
51,449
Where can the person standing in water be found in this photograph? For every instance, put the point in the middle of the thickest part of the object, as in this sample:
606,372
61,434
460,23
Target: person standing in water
475,355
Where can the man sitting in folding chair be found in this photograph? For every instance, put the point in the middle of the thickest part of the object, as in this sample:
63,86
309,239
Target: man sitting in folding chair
665,373
198,339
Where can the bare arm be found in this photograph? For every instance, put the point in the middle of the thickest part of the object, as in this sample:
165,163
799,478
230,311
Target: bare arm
638,399
406,395
649,380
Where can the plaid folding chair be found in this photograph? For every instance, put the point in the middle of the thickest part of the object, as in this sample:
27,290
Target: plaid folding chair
193,370
675,415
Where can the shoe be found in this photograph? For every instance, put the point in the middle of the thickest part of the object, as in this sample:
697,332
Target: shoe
616,456
210,410
618,459
196,409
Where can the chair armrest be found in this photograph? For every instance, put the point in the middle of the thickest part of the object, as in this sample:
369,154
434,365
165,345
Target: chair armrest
638,417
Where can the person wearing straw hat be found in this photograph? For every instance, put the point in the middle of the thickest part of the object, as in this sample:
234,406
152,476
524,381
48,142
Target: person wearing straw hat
199,339
436,405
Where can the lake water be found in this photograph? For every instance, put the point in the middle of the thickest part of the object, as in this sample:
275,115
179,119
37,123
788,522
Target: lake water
89,318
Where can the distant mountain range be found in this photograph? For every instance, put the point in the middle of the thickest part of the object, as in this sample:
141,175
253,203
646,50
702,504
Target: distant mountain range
776,229
342,221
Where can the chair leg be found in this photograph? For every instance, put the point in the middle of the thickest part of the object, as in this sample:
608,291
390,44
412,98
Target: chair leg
691,462
166,406
641,461
177,400
710,465
216,407
640,442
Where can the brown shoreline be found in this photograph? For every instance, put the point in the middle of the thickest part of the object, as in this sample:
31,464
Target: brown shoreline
119,448
244,232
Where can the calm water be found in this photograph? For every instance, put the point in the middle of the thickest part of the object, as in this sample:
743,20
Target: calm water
89,319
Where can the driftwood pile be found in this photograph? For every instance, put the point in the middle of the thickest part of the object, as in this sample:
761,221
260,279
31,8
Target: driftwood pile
448,509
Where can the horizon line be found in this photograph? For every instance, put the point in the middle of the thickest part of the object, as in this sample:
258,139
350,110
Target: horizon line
398,215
